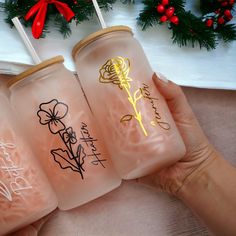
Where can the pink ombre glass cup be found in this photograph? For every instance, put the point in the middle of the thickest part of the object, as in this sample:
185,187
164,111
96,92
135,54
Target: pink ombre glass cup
136,123
64,136
25,193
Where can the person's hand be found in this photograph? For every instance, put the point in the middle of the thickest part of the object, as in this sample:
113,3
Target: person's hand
199,152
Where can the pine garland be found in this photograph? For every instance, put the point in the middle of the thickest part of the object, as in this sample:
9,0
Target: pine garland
83,10
187,29
193,31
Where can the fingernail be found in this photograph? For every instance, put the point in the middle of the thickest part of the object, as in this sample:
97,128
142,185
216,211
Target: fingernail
161,77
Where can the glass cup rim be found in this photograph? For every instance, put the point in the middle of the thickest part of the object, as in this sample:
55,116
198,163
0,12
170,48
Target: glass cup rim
94,36
34,69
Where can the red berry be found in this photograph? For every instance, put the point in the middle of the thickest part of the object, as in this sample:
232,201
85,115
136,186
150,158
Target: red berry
174,20
221,20
163,18
229,18
227,13
209,22
165,2
224,4
170,11
160,8
231,2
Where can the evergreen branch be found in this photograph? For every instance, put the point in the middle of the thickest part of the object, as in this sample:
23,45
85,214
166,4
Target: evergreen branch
83,10
207,6
148,16
128,1
179,5
1,5
192,30
227,32
62,25
106,5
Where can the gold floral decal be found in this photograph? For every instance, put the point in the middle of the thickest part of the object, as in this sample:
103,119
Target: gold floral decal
116,71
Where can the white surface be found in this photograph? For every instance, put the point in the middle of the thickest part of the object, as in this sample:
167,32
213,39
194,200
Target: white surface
185,66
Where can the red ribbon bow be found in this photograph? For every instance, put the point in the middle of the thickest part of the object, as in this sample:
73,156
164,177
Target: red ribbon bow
40,8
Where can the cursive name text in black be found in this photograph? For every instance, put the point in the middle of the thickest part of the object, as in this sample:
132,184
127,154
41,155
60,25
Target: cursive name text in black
90,142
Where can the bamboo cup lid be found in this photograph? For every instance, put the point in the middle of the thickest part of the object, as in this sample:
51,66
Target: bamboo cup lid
35,68
92,37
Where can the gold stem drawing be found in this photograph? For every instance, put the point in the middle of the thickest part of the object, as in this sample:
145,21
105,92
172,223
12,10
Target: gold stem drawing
124,82
116,71
138,115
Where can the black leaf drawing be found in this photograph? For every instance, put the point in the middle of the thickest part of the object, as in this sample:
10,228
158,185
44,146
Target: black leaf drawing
51,113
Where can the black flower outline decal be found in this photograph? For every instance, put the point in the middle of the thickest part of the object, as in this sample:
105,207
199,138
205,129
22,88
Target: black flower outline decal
51,113
70,136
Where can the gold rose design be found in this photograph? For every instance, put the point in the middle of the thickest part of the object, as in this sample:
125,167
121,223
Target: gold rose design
116,71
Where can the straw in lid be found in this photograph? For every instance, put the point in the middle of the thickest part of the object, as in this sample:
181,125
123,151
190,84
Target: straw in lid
34,69
94,36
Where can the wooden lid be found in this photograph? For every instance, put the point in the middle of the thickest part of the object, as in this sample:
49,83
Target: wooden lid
35,68
96,35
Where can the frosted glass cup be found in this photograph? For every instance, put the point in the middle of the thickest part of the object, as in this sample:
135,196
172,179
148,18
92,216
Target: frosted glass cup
117,79
64,136
25,193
